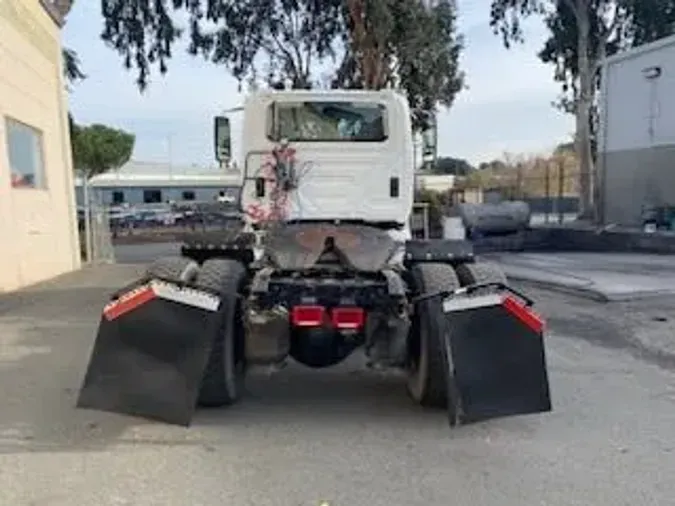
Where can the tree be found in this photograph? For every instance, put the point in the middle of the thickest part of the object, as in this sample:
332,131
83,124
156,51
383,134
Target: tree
454,166
292,35
582,34
98,148
403,44
385,43
72,70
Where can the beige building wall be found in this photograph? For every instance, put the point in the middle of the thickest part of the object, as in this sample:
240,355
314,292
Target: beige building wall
38,225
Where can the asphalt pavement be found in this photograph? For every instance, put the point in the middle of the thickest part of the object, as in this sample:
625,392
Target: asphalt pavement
607,277
144,253
345,436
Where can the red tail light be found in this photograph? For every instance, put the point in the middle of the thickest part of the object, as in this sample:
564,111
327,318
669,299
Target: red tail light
348,318
308,316
524,314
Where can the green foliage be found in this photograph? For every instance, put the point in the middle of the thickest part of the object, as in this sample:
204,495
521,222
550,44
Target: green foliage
98,148
429,59
72,71
382,43
529,175
406,45
454,166
582,34
614,25
291,34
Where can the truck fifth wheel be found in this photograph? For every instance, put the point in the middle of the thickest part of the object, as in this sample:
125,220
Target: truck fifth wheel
322,266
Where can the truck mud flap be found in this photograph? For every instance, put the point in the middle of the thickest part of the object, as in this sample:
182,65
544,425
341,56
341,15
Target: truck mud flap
497,357
152,347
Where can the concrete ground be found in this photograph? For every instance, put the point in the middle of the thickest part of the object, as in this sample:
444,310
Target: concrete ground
603,276
345,436
144,253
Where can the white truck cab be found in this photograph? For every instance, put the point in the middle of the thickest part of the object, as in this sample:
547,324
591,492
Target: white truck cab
324,155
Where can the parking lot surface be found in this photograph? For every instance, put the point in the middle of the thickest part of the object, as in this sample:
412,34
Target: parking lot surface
345,436
601,276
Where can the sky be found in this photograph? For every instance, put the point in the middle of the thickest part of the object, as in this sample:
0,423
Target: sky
505,108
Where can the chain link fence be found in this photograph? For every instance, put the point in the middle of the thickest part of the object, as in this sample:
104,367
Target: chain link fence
152,223
549,186
95,235
558,202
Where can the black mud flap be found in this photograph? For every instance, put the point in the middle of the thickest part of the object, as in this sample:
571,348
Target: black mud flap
497,353
150,353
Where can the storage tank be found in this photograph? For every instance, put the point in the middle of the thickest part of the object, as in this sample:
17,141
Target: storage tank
495,219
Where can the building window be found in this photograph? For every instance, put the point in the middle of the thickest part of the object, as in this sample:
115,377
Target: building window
188,195
118,197
26,162
152,196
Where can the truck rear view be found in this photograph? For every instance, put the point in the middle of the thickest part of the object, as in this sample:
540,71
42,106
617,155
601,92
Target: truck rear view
323,267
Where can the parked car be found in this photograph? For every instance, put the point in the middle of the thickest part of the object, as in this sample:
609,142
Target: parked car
120,217
158,215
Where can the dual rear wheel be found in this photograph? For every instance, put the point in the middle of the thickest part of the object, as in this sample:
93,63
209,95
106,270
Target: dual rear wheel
223,379
430,381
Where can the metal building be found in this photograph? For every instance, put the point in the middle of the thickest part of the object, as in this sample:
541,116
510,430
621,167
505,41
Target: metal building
636,143
152,183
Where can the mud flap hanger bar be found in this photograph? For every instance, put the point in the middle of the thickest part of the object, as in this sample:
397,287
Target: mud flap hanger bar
147,278
468,290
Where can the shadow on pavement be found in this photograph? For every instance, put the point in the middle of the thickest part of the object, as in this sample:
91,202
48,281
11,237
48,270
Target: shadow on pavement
46,334
144,253
297,393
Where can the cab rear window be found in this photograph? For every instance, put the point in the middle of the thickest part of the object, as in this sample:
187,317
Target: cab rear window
315,121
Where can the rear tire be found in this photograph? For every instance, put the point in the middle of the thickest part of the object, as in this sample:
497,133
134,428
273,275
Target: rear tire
428,373
223,380
479,272
174,268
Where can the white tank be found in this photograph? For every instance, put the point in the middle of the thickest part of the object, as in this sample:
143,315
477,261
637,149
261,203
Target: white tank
500,218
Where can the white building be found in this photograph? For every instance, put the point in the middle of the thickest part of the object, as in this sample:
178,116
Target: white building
436,182
149,183
636,145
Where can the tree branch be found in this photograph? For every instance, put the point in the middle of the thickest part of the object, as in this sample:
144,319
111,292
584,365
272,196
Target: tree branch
572,5
604,38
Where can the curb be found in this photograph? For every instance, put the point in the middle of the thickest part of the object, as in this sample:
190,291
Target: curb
586,293
591,293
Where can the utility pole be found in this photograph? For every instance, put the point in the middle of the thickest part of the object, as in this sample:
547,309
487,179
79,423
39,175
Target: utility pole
430,143
88,243
169,139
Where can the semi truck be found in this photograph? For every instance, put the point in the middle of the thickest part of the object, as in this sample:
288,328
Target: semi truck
322,266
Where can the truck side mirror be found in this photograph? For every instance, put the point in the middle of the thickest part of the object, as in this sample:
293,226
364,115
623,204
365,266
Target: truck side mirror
222,141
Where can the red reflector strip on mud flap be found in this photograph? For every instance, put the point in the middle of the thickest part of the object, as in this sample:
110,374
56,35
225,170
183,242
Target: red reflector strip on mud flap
135,298
128,302
497,362
524,313
151,350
